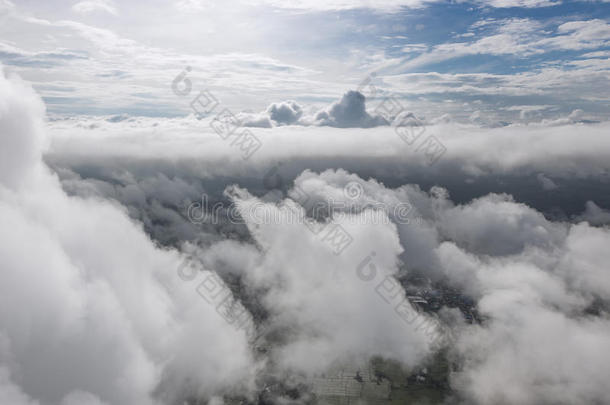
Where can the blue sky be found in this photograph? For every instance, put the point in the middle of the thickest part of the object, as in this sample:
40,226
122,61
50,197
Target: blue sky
489,61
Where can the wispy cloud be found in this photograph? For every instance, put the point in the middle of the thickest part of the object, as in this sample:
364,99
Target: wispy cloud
92,6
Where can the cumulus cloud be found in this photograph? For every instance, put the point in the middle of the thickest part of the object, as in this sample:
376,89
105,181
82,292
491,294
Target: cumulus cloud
496,225
283,113
536,284
91,6
401,205
537,304
20,154
329,314
583,261
536,331
254,120
287,112
97,315
349,112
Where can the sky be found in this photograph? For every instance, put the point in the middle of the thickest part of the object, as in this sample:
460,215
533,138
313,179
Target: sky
491,62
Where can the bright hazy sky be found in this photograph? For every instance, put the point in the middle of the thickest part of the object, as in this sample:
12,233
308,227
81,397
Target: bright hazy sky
500,60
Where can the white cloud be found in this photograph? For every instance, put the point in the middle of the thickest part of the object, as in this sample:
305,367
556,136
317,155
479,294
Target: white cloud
92,6
21,153
193,5
329,313
572,149
496,225
520,3
349,112
536,328
522,37
577,35
582,264
317,5
534,355
285,113
391,5
509,36
598,54
115,293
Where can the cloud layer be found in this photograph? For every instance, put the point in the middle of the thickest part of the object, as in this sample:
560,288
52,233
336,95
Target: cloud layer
113,308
